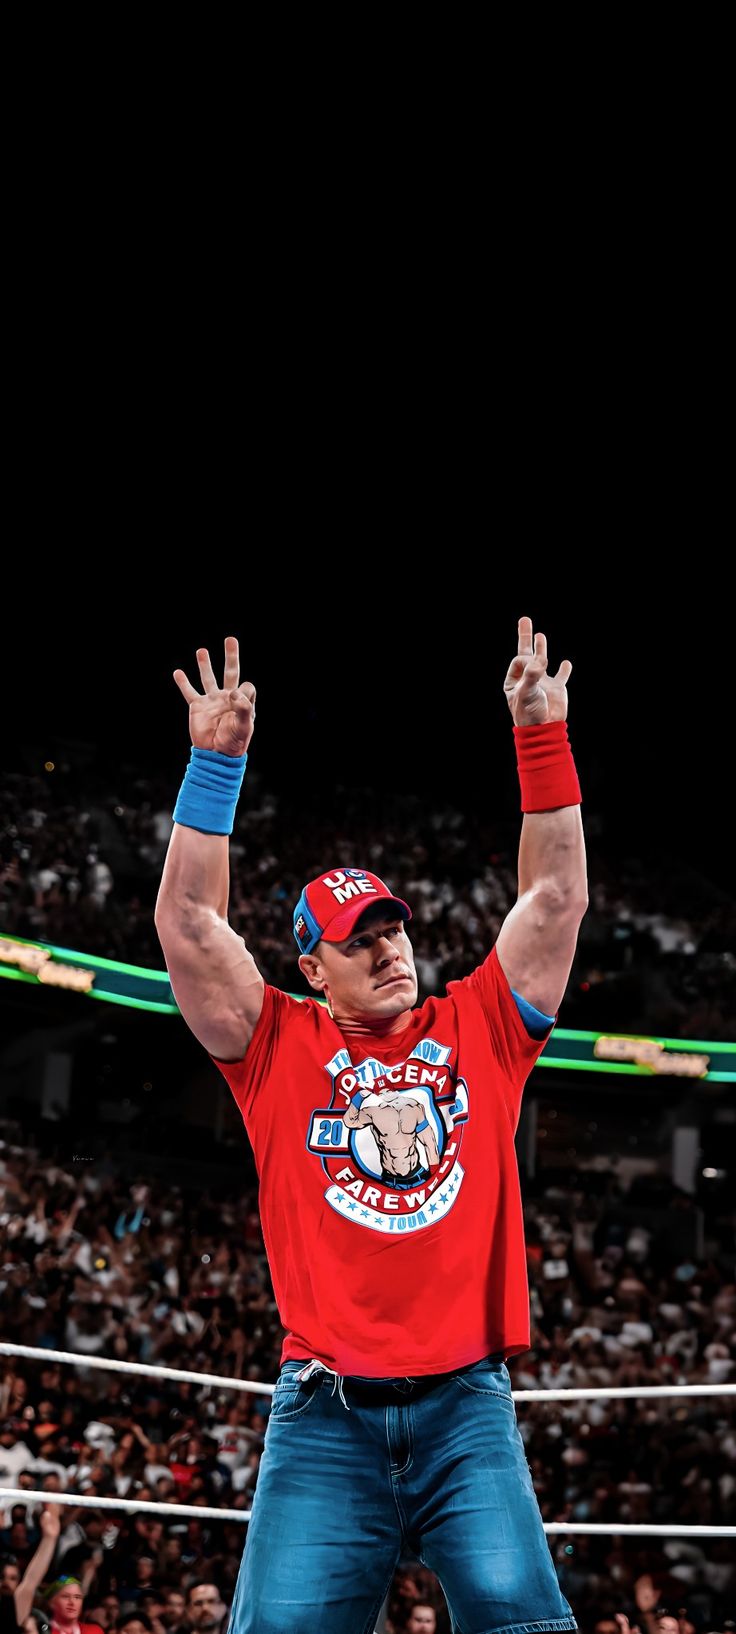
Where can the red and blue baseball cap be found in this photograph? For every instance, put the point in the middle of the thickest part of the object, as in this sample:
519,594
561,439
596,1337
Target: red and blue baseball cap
330,905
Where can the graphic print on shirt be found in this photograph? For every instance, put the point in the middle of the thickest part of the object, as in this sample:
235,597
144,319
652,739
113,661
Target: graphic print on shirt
390,1139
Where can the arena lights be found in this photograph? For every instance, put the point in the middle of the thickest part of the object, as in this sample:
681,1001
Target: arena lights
569,1050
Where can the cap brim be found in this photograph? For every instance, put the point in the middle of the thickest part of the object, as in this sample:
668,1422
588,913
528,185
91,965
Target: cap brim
348,917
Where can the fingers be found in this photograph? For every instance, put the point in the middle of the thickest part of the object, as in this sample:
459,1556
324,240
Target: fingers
244,696
514,672
564,672
185,687
239,693
535,663
525,636
206,671
243,699
534,667
231,674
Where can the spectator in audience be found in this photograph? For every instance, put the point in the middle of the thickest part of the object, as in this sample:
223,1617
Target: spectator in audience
9,1575
205,1610
422,1619
133,1622
64,1600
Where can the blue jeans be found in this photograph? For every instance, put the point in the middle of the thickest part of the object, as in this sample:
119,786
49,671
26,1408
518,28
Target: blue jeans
351,1477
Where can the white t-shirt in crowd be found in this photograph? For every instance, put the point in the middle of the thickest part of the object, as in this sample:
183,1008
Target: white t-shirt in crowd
13,1460
234,1443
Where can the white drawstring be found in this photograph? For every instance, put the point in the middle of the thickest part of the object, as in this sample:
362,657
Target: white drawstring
316,1366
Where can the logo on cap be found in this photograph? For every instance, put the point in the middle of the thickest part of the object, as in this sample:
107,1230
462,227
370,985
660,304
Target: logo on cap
330,905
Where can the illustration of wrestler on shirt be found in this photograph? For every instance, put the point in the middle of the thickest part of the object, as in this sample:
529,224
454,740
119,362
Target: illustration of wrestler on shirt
400,1129
390,1140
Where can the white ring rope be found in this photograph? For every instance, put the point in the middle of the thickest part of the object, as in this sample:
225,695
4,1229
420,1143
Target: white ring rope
624,1530
19,1495
81,1360
627,1390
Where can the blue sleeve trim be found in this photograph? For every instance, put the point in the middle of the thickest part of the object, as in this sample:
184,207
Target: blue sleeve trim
536,1022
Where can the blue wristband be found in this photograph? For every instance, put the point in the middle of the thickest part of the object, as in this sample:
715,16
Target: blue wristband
209,794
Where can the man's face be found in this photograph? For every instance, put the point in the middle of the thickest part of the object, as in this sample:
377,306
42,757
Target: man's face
369,976
205,1608
174,1609
9,1578
422,1620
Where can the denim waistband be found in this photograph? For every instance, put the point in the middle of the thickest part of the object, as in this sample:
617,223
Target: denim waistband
390,1391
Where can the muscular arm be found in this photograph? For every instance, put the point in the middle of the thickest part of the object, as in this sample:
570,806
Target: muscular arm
356,1118
537,940
215,980
428,1140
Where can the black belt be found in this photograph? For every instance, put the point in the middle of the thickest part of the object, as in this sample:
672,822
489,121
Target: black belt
394,1392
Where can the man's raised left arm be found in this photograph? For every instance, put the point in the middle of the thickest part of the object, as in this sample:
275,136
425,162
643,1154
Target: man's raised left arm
536,943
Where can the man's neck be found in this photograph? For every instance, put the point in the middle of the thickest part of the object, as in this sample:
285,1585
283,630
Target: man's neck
352,1028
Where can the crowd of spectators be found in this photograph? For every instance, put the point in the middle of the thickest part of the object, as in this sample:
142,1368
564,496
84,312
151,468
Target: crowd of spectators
80,866
177,1276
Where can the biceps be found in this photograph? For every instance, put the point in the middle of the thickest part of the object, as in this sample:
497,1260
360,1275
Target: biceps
216,984
536,947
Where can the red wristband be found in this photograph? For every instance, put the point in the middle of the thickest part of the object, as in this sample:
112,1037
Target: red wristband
546,768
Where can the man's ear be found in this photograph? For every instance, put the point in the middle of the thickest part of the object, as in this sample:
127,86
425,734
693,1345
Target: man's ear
310,967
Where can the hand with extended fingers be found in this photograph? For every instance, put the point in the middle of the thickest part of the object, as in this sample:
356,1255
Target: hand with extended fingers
533,696
224,717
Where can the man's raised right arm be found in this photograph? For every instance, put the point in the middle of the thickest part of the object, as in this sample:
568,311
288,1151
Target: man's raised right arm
214,978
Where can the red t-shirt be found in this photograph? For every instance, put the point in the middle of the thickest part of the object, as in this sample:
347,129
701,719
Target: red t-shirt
76,1628
396,1246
